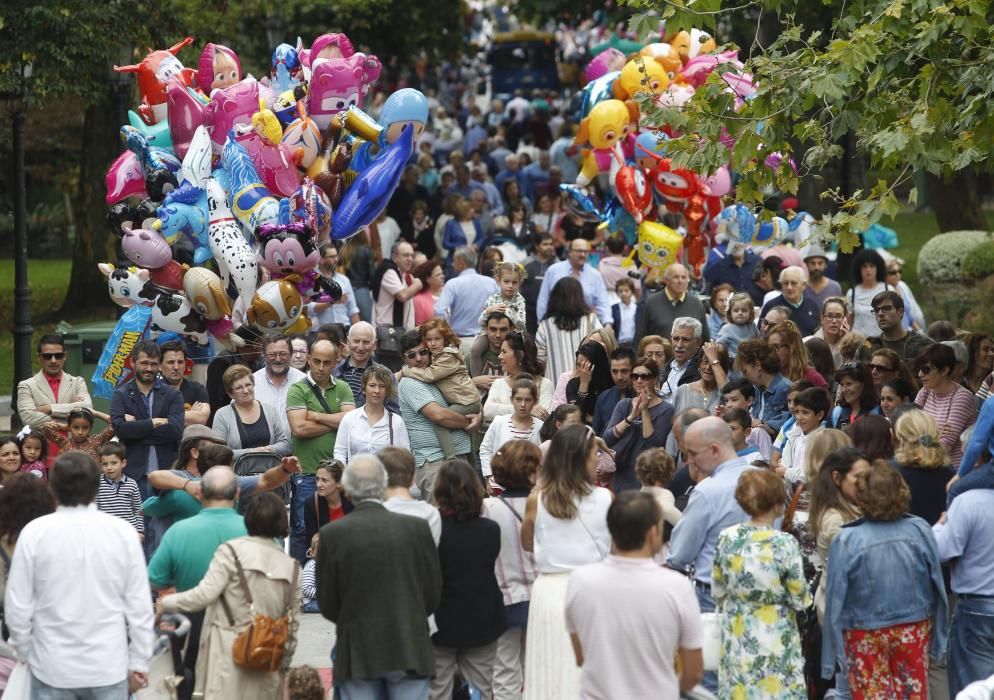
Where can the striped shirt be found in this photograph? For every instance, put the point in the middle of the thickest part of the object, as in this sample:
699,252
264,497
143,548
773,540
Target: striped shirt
414,396
308,583
122,499
953,412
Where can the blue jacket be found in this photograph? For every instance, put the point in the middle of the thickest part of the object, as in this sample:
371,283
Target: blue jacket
882,574
138,436
982,437
770,406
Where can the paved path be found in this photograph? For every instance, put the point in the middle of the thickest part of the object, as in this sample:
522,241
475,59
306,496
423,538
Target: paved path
315,637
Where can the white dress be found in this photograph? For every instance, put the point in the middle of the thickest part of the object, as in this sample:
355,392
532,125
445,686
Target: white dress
561,546
557,348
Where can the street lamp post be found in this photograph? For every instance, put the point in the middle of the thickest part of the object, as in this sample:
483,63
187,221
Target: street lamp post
23,330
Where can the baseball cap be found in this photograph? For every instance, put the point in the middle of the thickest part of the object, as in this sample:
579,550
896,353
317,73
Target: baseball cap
201,432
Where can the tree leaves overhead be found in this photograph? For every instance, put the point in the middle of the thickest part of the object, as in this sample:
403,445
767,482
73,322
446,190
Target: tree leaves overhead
913,79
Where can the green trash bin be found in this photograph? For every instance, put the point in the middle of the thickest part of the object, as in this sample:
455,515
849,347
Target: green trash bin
84,344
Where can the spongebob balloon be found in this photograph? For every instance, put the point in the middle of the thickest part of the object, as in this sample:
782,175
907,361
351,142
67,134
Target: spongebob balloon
658,247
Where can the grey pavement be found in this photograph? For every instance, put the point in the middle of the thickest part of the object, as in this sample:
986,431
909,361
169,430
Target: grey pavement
315,637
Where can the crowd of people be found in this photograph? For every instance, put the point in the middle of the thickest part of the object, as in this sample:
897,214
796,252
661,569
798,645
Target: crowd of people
506,459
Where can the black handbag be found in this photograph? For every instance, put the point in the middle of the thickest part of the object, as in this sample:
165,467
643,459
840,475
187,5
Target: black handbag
388,339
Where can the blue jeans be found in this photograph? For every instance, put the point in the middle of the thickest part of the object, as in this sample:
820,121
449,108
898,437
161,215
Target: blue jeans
304,488
971,642
980,478
395,685
364,300
43,691
706,602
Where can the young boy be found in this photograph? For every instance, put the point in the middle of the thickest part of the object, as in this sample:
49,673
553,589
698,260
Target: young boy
789,429
740,421
740,393
623,313
811,407
119,494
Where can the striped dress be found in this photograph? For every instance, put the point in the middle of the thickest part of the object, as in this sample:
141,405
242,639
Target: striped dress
557,348
954,412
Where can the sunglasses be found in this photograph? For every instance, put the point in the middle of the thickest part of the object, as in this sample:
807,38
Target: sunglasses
925,369
643,376
51,355
881,368
410,355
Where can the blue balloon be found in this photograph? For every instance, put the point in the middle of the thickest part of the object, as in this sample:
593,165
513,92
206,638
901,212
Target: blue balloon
595,92
111,371
369,193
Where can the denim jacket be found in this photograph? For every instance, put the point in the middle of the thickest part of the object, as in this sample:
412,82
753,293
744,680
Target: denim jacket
882,574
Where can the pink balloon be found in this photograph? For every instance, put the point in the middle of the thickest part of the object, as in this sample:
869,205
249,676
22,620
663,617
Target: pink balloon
125,178
185,113
720,183
275,164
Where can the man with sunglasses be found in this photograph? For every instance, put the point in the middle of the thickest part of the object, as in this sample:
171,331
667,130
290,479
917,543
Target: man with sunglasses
888,308
422,407
52,393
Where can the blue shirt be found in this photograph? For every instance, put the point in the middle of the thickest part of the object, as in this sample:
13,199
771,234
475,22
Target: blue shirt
463,298
770,405
967,540
983,436
712,508
594,290
604,407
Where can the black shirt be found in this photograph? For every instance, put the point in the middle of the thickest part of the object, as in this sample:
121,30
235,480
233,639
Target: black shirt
928,490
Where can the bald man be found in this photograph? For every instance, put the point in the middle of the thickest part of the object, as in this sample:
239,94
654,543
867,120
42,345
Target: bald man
804,311
662,308
315,407
708,447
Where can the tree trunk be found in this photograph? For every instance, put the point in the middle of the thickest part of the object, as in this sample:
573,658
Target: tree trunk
956,203
94,243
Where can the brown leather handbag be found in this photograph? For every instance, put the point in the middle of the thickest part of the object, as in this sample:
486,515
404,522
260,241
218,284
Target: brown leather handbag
261,645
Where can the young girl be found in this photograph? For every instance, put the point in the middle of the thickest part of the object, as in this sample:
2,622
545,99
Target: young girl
448,372
741,323
508,300
34,451
308,582
75,436
519,425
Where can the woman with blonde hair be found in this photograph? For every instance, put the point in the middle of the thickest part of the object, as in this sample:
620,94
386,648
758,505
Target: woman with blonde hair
923,462
785,339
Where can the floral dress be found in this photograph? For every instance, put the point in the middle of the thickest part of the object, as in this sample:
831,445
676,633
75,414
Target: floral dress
757,583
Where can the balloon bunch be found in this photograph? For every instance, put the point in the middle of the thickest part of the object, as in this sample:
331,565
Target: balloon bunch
645,184
223,175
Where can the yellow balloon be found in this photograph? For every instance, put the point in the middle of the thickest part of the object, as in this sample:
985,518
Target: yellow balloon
658,245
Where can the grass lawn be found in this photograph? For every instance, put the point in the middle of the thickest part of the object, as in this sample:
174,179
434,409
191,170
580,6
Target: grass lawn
48,280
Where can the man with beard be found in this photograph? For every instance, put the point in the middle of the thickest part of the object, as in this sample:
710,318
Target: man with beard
345,310
147,415
820,287
622,361
273,381
196,404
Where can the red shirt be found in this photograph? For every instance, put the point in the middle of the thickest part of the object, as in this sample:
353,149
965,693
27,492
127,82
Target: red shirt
336,513
54,383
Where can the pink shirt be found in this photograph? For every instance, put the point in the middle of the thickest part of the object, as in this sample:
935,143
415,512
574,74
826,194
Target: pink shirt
383,312
629,644
954,412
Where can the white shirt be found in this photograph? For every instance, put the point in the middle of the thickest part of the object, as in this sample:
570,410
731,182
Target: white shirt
673,381
336,313
417,509
269,393
627,331
356,435
78,603
564,545
389,231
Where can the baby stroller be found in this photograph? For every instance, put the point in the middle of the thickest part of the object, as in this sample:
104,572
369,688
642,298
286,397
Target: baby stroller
257,462
166,670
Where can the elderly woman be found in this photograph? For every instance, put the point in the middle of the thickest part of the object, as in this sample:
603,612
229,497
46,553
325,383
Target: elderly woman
248,576
372,427
886,600
704,393
950,404
247,424
637,424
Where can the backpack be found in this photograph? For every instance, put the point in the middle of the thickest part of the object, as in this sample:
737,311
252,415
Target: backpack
261,645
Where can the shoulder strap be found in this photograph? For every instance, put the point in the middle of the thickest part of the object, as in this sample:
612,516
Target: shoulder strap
390,424
788,516
319,394
293,586
513,509
241,575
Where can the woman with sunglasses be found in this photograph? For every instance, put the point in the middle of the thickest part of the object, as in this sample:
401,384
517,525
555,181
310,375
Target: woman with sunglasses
952,406
886,364
637,424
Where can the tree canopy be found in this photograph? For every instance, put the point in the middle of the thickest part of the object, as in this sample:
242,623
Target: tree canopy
912,79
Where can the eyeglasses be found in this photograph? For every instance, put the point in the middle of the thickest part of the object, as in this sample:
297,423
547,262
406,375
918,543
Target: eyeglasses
51,355
641,376
277,355
925,369
833,317
893,272
884,309
881,368
411,354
